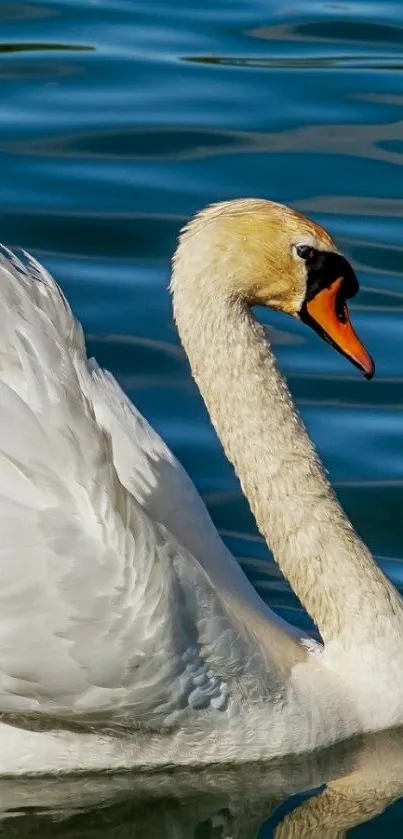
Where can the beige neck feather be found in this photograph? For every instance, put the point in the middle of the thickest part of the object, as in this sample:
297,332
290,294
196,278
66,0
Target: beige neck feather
326,563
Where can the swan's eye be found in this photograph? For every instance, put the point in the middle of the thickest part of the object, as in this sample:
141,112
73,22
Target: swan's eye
305,252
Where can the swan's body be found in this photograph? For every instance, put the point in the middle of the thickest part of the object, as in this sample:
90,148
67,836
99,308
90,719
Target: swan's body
129,636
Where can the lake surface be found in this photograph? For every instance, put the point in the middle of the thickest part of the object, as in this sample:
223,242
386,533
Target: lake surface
119,119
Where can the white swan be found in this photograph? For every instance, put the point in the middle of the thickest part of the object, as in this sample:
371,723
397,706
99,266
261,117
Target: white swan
128,634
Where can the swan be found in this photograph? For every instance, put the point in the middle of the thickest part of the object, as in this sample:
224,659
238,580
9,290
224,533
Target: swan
129,636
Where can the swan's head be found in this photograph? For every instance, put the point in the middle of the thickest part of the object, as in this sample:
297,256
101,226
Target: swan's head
265,254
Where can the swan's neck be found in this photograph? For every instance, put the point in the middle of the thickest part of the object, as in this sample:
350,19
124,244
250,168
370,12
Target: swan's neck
328,566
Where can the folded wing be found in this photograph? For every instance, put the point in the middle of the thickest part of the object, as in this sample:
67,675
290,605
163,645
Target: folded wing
105,616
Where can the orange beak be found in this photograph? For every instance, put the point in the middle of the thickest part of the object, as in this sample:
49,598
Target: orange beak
327,314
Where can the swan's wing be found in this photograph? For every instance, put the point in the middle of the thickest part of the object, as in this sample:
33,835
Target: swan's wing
147,467
144,463
103,614
152,474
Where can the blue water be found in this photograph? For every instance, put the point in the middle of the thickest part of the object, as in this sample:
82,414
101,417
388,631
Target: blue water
120,118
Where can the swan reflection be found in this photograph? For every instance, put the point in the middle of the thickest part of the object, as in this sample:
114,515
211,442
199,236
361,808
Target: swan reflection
358,780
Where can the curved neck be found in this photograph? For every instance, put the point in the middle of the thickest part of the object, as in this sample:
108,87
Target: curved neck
326,563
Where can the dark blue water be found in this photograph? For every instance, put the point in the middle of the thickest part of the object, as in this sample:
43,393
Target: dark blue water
119,119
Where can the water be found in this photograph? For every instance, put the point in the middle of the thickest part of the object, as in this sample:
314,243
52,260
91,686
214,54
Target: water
120,118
